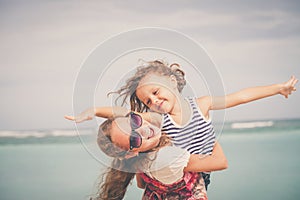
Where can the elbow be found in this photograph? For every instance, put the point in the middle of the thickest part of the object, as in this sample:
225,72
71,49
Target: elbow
224,164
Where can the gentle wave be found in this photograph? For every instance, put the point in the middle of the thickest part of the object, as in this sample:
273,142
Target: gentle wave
42,134
248,125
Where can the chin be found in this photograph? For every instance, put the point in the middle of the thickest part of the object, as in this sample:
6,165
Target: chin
163,111
156,131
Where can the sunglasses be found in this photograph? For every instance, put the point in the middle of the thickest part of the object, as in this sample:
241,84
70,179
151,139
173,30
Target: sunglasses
136,121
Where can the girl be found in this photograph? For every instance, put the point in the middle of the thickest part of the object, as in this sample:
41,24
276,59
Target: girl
166,169
157,87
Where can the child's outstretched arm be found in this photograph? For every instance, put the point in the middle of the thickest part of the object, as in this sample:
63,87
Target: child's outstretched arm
247,95
104,112
115,111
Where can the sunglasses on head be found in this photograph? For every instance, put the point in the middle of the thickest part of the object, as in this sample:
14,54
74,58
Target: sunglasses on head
135,139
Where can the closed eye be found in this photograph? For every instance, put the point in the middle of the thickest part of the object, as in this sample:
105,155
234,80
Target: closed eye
155,92
148,102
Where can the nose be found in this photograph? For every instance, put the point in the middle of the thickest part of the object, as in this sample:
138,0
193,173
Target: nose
154,99
143,130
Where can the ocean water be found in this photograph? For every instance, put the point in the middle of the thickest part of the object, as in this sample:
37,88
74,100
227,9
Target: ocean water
263,159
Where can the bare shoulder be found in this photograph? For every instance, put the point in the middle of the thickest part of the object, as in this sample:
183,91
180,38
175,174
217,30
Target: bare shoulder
204,104
153,117
204,101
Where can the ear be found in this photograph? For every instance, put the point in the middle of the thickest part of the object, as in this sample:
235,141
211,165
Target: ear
131,154
173,81
173,78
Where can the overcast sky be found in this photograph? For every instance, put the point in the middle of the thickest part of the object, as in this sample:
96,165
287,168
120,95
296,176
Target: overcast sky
44,44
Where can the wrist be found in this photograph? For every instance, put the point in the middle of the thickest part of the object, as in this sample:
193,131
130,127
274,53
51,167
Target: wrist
279,88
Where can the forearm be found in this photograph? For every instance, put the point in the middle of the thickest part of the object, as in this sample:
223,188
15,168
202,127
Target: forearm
107,112
255,93
247,95
244,96
117,111
201,163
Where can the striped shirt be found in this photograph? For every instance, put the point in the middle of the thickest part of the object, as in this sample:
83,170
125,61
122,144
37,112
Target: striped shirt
197,136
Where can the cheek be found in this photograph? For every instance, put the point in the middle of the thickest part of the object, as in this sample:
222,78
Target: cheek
157,131
121,142
149,144
169,93
140,95
155,109
140,91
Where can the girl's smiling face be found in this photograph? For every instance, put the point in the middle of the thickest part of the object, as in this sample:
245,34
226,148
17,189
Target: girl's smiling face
158,92
121,131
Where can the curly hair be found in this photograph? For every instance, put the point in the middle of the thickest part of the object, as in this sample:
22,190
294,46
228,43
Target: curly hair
157,67
121,172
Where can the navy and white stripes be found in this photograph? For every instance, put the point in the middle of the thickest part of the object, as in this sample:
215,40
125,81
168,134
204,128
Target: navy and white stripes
197,136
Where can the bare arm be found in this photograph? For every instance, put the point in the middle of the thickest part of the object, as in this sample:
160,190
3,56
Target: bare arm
246,95
105,112
216,161
116,111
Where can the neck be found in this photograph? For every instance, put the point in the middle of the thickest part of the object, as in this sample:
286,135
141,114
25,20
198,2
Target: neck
181,111
179,106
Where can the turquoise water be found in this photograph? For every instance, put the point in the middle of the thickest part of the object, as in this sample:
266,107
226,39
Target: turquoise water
263,164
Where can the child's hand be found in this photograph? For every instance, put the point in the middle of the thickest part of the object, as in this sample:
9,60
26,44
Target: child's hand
288,87
84,116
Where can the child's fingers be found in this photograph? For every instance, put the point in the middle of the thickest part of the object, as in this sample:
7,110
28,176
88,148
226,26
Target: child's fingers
291,80
294,81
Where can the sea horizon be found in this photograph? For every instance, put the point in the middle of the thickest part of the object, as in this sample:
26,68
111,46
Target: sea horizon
228,126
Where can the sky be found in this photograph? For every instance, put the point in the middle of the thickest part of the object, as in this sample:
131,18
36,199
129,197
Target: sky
44,45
